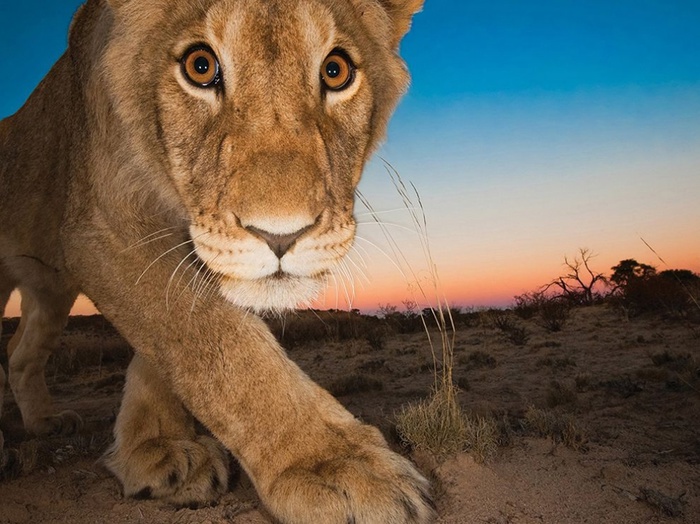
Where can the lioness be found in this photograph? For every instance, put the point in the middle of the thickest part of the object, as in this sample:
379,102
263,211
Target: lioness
184,147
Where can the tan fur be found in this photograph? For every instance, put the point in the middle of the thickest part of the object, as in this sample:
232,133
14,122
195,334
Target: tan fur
158,200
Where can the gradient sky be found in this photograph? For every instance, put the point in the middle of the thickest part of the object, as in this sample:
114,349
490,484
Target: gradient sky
531,129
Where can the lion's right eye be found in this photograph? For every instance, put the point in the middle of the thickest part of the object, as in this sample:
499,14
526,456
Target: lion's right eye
201,67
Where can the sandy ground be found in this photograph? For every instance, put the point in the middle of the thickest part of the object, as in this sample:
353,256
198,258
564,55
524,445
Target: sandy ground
632,387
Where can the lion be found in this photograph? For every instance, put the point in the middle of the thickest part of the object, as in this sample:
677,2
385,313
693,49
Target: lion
187,165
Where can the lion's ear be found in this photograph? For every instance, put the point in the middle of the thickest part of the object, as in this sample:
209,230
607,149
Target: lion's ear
401,12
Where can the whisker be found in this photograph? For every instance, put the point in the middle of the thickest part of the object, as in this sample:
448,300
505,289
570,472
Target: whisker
383,252
196,286
336,287
148,238
351,283
365,253
383,212
192,280
384,224
195,261
172,275
164,254
360,270
210,285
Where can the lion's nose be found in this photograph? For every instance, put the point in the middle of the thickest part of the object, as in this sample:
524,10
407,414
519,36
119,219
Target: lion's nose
279,244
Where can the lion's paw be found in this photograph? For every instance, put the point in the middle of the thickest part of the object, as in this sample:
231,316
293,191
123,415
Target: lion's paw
368,484
191,473
64,423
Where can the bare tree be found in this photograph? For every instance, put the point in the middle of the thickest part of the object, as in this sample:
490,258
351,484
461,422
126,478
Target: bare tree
579,284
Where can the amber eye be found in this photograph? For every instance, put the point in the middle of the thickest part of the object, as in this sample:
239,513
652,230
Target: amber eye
337,71
200,66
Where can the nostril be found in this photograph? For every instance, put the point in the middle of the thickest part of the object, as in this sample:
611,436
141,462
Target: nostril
279,244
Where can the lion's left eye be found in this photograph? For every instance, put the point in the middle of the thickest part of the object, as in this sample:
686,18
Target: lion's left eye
201,67
337,71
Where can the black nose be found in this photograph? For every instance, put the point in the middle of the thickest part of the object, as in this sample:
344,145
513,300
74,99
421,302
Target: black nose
279,244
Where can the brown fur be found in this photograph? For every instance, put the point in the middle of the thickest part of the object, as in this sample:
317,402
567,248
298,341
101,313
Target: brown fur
157,199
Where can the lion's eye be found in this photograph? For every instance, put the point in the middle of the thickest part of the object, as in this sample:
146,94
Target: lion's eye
337,71
200,66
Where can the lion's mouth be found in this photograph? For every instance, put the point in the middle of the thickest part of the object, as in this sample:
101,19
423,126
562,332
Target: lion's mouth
252,275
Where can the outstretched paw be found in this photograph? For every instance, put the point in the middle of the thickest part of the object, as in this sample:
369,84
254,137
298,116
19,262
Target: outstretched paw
190,473
365,484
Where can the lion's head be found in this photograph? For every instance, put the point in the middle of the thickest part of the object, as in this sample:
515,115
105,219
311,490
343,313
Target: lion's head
255,119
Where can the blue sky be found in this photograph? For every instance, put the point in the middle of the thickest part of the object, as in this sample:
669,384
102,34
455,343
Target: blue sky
532,128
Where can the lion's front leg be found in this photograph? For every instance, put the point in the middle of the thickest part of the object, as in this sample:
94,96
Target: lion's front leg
45,311
157,453
310,460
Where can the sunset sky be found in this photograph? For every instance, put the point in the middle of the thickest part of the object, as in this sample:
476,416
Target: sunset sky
531,129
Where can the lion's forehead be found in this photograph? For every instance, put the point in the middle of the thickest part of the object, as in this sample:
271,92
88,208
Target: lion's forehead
271,33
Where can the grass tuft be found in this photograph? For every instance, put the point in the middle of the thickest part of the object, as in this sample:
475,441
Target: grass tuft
561,428
355,383
438,425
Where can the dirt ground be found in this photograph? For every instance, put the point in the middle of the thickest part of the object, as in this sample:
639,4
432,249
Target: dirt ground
631,387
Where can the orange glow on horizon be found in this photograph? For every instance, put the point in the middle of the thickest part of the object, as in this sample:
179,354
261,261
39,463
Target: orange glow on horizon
490,287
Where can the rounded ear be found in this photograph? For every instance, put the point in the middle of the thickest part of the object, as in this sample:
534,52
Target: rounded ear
401,12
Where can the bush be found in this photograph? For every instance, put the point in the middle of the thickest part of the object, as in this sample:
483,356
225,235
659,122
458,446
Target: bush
355,383
553,314
640,289
528,305
560,428
504,321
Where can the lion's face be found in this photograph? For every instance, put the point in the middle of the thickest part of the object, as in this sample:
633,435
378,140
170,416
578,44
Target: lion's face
259,117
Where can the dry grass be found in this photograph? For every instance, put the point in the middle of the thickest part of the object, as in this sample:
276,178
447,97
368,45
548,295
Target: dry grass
355,383
561,428
560,394
438,423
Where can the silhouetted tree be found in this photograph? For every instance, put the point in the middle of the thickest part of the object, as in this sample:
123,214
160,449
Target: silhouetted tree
579,284
628,270
639,288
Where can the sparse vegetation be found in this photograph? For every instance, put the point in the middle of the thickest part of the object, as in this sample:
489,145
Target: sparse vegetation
553,314
354,383
633,288
478,359
645,369
504,321
561,428
560,394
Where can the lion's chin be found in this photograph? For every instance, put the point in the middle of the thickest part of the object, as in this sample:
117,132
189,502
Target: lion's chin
274,294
